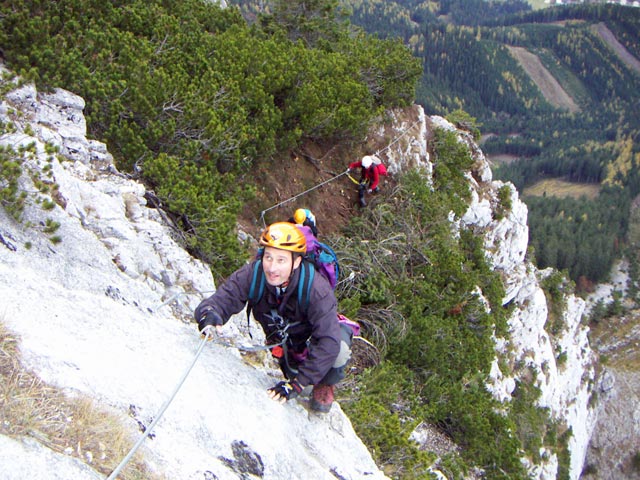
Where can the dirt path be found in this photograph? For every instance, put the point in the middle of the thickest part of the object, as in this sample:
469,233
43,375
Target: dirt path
548,85
610,39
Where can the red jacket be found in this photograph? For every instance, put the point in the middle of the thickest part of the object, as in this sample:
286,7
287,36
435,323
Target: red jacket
371,174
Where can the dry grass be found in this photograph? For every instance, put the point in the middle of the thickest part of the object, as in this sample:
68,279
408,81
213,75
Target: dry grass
616,338
73,426
550,88
502,158
538,4
620,50
554,187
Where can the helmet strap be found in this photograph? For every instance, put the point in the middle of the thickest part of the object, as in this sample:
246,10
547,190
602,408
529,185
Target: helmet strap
294,256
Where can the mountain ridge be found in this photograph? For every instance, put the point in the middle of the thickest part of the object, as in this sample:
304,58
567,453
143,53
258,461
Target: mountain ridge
89,297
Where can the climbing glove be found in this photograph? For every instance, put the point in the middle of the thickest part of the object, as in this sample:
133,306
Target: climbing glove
285,390
210,318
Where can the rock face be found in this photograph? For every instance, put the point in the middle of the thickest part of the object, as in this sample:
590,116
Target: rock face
615,444
559,355
561,364
101,304
614,451
104,312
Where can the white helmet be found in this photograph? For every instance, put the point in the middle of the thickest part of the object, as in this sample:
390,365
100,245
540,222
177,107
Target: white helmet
367,161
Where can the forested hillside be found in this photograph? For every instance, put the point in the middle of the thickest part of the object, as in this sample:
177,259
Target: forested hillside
192,99
210,108
468,53
465,48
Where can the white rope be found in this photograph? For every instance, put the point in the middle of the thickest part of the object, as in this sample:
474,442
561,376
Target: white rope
298,195
148,430
399,137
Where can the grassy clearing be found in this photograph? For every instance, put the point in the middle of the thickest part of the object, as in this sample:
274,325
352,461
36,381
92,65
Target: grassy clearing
73,426
569,81
555,187
538,4
551,89
622,53
502,158
619,337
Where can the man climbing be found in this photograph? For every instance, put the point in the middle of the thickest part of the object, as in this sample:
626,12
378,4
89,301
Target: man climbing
304,216
309,343
371,168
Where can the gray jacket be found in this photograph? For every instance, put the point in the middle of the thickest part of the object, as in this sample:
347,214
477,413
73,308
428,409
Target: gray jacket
318,329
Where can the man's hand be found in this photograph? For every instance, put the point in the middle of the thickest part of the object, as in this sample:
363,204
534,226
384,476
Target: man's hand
285,390
208,321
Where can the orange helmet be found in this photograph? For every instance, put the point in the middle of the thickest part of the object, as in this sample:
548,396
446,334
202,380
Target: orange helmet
285,236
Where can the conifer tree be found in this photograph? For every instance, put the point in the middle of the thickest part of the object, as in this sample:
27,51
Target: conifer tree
307,20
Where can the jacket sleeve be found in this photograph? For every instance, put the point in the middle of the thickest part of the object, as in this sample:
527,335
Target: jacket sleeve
324,346
230,297
354,165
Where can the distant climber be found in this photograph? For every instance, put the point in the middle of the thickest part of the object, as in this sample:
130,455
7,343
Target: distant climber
304,216
312,347
371,168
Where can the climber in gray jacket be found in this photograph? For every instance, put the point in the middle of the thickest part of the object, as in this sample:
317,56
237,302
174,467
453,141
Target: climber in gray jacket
309,343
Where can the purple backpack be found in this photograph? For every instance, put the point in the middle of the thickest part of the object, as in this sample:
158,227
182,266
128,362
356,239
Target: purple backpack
321,255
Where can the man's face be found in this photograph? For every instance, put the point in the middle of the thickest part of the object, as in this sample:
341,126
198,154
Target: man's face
277,265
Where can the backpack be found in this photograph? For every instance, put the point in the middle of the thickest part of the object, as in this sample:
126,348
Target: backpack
377,163
379,166
321,256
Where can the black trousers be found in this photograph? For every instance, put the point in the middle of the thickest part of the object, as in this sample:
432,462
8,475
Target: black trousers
289,363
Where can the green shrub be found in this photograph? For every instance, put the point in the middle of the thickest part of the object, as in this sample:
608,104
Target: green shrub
51,226
556,287
505,205
387,432
452,159
440,341
48,204
564,455
11,198
531,421
465,121
195,82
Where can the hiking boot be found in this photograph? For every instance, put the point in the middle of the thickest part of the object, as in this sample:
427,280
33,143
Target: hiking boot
322,398
363,202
